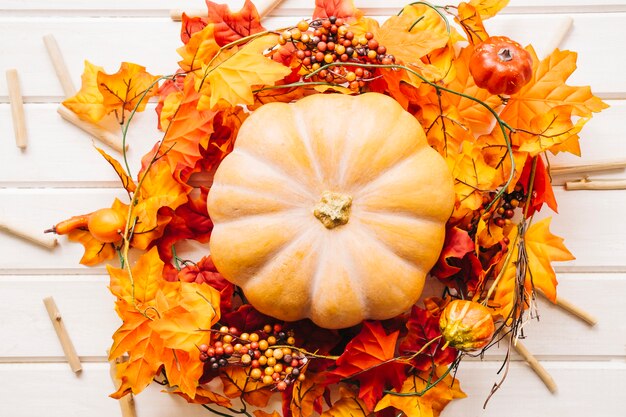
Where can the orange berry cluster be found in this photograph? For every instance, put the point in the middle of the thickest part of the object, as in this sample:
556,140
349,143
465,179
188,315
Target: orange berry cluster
325,41
267,353
507,205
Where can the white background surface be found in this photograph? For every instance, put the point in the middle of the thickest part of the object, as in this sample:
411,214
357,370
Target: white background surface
60,175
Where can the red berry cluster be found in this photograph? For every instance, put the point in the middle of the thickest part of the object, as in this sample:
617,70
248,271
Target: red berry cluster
326,41
267,353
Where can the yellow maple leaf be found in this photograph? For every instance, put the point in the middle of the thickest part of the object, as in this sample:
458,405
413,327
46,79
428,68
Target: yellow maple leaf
238,384
127,181
147,274
488,8
430,403
159,189
305,393
551,130
88,103
129,88
233,74
200,49
547,90
472,23
204,396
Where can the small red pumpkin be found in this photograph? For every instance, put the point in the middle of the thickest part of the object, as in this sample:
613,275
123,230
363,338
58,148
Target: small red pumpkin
500,65
467,325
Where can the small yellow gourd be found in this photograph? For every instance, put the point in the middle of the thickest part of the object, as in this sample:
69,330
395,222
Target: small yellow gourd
332,208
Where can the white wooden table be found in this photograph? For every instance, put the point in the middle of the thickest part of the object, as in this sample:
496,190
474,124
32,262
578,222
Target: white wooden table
60,175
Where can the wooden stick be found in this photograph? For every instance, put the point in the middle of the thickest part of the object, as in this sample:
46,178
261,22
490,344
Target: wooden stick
264,7
127,402
103,135
585,184
534,364
561,32
64,337
46,241
59,65
573,309
608,165
17,108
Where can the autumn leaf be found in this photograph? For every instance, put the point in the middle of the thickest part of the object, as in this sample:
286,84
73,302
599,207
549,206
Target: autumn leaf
261,413
185,325
431,402
445,130
305,394
238,384
88,103
542,192
199,50
191,25
348,404
551,129
456,245
547,90
235,72
143,345
204,272
472,23
145,281
543,248
187,129
128,89
95,251
339,8
231,26
159,189
127,181
183,370
423,333
203,396
488,233
488,8
368,358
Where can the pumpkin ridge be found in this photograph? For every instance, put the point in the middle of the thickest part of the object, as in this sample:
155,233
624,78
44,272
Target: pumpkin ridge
298,186
290,204
247,217
304,136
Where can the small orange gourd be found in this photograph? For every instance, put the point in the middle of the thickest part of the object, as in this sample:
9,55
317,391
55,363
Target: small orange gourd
332,208
467,325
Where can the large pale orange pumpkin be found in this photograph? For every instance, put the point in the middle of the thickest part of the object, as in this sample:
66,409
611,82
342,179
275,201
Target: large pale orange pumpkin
332,208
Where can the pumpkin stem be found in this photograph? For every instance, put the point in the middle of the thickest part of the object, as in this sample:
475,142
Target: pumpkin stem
333,209
505,54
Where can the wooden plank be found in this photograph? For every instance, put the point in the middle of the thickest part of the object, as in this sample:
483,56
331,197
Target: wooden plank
288,7
588,220
590,388
57,145
594,44
87,307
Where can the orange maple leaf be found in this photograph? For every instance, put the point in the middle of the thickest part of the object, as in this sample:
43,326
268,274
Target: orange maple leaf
127,182
472,23
339,8
183,370
199,50
234,73
305,394
488,8
88,103
128,89
238,384
232,26
348,404
204,396
145,282
431,402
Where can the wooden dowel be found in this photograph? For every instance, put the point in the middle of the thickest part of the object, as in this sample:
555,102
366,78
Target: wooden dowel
103,135
599,166
64,337
264,7
596,185
560,33
573,309
534,364
17,108
127,402
40,239
59,65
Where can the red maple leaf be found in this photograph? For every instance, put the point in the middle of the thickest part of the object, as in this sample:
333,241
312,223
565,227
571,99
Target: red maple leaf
231,26
204,272
191,25
189,221
246,319
423,327
369,359
457,244
542,192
